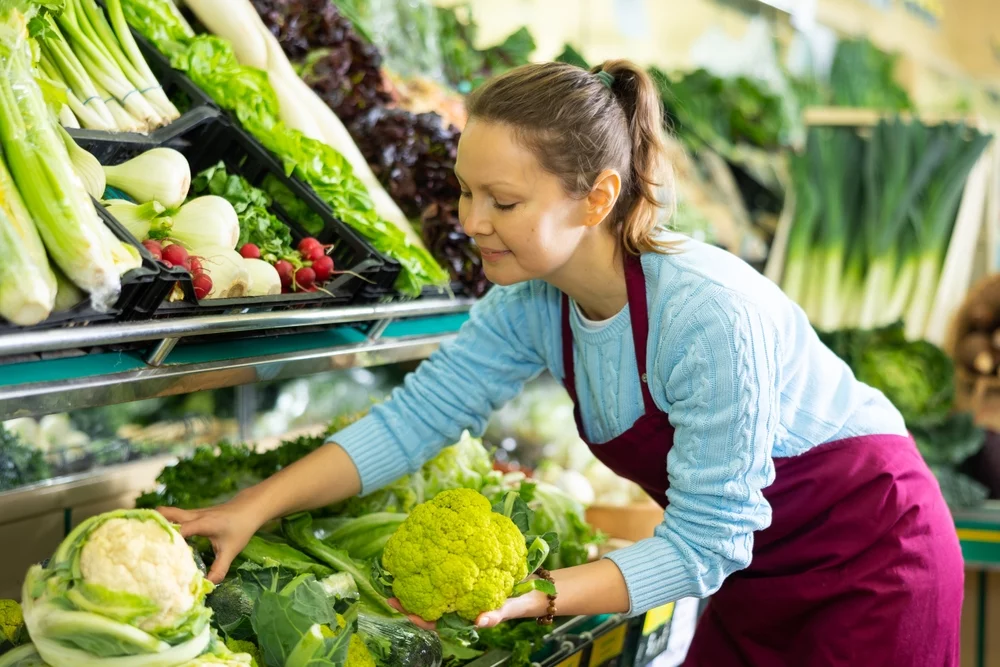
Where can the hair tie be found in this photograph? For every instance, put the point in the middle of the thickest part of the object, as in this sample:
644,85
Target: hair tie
606,78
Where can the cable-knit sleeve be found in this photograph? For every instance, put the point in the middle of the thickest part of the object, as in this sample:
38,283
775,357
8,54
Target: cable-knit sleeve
496,351
718,360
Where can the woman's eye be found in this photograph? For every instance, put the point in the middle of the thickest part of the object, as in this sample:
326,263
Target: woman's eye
504,207
465,193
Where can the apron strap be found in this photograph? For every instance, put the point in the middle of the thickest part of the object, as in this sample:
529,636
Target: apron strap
635,283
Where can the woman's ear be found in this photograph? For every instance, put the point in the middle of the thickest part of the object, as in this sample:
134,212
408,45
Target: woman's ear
602,196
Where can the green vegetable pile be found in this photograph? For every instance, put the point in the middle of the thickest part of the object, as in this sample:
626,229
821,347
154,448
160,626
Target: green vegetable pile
873,220
257,224
919,379
465,65
345,543
246,92
123,588
20,463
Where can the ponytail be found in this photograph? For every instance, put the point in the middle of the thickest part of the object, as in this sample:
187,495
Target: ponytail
579,123
640,100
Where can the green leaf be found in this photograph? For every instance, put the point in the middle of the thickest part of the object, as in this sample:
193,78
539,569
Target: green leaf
530,585
512,506
538,550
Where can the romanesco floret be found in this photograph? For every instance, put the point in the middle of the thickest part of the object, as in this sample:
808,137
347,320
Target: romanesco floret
358,654
11,624
248,647
454,554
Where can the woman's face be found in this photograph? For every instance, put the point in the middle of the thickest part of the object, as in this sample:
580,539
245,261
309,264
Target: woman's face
525,224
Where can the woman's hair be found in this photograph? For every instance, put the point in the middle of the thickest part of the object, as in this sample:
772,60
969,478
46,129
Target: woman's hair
579,123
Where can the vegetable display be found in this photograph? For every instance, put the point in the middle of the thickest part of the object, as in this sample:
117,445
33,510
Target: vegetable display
412,155
291,123
873,221
108,84
123,588
35,153
455,554
348,539
20,462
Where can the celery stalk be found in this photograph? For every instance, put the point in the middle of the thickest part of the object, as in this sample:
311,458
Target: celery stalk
27,284
40,165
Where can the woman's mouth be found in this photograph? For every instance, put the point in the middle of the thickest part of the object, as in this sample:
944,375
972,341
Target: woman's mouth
493,256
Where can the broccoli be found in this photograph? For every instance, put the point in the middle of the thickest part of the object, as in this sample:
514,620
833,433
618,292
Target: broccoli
454,554
232,607
12,632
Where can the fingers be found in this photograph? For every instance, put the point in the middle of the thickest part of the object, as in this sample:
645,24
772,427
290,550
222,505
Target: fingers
488,620
223,559
176,514
198,526
416,620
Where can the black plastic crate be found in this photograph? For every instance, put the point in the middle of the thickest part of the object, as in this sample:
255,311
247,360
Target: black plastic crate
206,141
185,95
137,286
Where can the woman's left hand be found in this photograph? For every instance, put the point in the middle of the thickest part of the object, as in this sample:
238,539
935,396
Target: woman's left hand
530,605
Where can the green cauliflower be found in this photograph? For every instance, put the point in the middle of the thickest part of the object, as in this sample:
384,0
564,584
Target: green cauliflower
358,654
12,631
455,554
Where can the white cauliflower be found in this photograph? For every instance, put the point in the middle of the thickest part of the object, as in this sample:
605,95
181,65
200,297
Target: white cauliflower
140,557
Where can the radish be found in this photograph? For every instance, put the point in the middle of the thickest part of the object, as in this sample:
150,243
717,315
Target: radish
175,254
202,284
305,277
285,271
313,253
307,243
323,268
154,248
250,251
195,266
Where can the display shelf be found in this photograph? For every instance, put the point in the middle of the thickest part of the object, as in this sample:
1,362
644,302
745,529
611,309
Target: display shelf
979,533
395,333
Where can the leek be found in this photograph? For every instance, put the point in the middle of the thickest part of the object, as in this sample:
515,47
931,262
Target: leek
934,219
65,216
800,240
27,284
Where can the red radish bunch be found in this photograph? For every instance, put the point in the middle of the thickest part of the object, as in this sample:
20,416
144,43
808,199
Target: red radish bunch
175,254
304,270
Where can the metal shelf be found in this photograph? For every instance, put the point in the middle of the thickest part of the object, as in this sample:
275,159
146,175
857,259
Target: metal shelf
396,333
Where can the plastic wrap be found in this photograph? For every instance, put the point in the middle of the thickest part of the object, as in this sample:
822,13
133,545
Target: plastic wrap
40,165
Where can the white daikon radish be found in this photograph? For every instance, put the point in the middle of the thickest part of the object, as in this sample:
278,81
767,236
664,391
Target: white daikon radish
159,174
206,221
264,280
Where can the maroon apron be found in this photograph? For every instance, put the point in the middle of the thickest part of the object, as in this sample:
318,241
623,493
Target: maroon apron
860,565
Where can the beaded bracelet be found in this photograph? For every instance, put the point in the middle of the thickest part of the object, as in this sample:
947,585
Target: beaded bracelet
550,614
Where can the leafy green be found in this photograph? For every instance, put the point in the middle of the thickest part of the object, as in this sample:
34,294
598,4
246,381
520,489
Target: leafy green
863,76
522,638
246,93
20,463
299,531
571,56
363,537
195,482
396,642
257,224
466,66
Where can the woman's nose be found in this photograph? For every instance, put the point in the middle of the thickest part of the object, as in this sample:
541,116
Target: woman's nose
476,223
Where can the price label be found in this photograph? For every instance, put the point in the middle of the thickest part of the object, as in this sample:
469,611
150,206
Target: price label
657,618
608,646
572,661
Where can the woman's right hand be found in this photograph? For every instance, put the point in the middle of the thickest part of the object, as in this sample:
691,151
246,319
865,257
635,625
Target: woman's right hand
228,527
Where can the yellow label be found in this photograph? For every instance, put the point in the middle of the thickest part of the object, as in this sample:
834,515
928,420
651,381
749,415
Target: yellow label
609,646
657,618
572,661
978,535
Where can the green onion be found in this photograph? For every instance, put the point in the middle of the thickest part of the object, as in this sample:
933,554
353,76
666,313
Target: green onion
73,234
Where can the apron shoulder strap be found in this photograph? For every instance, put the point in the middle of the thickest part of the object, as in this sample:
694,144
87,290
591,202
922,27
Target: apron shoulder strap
635,283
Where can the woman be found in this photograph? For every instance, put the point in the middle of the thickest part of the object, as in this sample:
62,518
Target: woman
792,492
